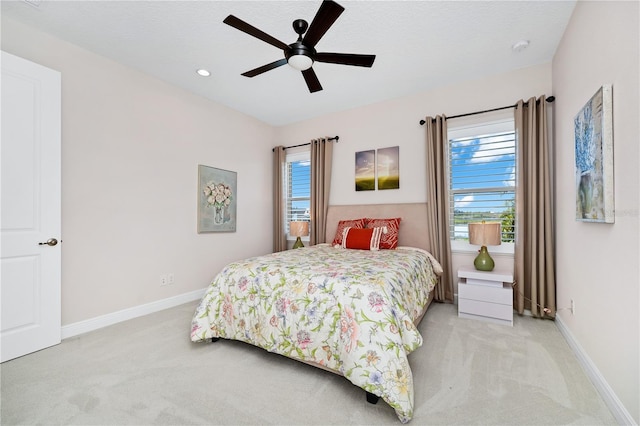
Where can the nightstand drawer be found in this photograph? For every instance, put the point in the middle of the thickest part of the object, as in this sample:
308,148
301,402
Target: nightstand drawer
485,309
501,295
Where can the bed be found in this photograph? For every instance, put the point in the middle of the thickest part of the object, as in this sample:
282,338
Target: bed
353,312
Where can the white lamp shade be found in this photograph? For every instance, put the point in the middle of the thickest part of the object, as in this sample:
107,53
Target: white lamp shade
300,62
485,234
299,228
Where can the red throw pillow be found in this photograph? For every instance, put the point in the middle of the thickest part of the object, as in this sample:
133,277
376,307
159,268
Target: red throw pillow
362,239
353,223
389,240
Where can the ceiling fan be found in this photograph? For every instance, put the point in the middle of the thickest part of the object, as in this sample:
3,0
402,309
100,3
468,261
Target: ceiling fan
302,54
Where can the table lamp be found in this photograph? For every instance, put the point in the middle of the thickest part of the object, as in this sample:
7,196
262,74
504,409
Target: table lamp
484,234
298,229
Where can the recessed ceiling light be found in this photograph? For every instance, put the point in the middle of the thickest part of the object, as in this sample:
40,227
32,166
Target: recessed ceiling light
520,46
203,73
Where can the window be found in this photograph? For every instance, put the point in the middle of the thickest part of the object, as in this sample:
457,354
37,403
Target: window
297,186
482,178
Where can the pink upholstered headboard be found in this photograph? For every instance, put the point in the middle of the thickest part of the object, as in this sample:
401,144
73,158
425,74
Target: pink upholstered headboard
413,226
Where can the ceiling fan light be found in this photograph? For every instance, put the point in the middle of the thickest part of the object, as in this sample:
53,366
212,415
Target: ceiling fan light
300,62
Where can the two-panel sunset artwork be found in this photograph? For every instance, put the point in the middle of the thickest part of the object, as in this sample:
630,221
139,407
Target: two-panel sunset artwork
378,169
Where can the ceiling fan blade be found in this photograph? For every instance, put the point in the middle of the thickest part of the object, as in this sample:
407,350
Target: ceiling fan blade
265,68
345,59
312,80
325,17
251,30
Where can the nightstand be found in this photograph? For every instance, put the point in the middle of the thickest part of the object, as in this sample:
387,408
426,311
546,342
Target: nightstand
485,295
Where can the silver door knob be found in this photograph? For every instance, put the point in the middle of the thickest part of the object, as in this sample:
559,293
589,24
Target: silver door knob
50,242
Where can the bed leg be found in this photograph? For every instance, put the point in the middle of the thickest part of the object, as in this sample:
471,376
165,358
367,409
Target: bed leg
372,398
214,339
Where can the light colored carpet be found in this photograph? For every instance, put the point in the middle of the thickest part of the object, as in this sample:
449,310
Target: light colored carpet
146,371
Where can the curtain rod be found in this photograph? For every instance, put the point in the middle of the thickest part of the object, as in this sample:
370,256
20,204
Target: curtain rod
549,99
335,138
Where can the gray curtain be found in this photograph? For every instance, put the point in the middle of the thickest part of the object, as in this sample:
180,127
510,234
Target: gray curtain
534,267
438,203
321,159
279,211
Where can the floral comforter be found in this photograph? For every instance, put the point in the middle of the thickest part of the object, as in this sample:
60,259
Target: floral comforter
351,311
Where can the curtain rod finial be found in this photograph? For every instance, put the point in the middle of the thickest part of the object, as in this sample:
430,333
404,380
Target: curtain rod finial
422,122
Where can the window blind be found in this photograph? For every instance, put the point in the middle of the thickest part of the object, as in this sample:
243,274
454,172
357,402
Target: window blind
298,187
482,183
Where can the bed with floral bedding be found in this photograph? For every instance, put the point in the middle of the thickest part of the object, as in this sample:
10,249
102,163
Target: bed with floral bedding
353,312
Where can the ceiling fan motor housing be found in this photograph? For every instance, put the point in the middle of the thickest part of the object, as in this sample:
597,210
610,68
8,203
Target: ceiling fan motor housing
298,48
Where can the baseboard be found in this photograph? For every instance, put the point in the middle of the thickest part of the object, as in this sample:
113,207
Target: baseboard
608,395
129,313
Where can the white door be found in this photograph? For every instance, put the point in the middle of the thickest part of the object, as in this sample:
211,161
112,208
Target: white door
30,208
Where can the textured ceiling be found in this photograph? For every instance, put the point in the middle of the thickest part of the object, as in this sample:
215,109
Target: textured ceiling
419,45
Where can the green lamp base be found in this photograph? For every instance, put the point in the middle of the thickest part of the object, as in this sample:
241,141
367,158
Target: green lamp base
484,262
298,243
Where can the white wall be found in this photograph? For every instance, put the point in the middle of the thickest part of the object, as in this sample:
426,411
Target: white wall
597,264
396,123
131,145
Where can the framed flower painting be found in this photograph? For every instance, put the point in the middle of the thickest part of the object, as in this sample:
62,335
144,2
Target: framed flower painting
594,159
217,195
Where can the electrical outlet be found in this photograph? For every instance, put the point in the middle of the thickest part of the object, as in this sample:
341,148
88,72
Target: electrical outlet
164,280
573,307
170,279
